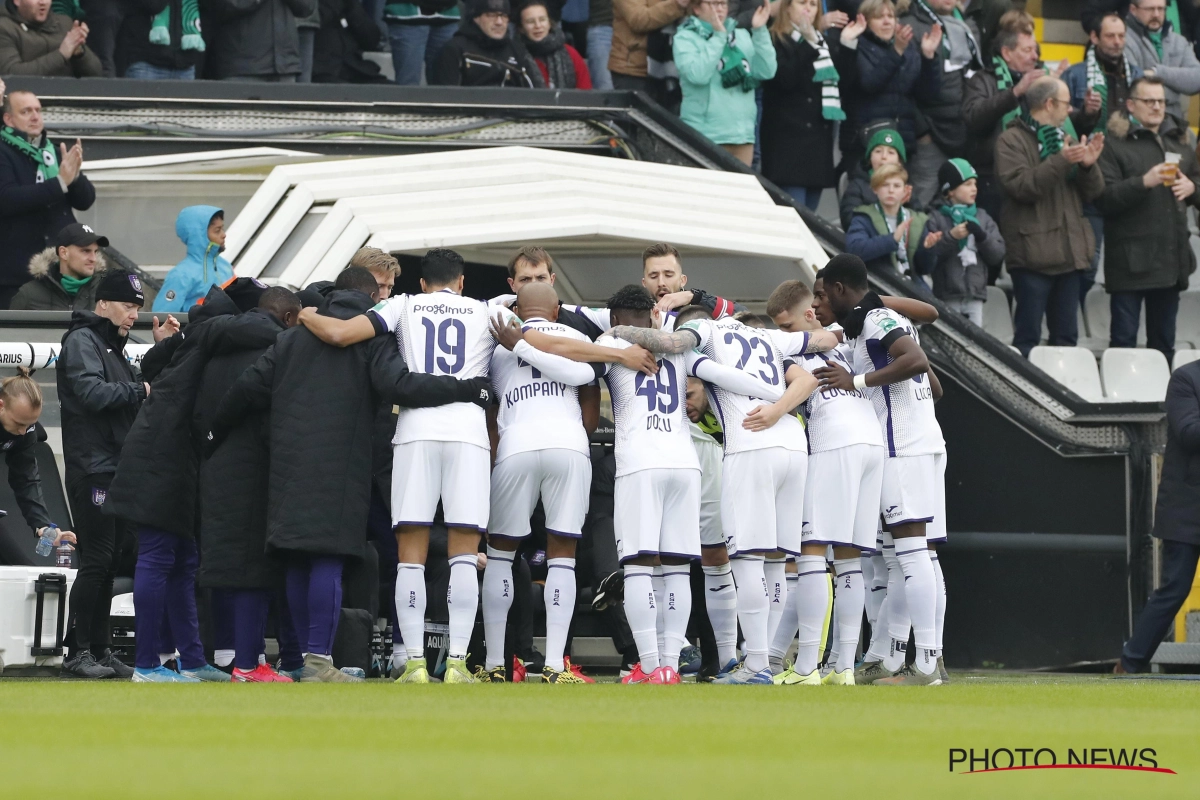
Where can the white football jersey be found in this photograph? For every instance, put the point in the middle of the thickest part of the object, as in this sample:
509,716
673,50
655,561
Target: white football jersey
732,344
837,418
904,409
537,412
602,317
650,414
442,333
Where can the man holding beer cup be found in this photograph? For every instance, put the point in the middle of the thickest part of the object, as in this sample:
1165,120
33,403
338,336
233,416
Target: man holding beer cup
1150,175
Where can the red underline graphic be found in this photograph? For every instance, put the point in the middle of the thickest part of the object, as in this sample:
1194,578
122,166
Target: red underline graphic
1074,766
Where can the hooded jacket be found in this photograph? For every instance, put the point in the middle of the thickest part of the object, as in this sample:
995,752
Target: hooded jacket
868,238
1145,230
1178,67
952,279
31,48
472,58
99,392
323,403
45,291
190,279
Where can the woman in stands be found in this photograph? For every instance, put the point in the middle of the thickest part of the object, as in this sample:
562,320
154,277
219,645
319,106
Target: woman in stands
561,65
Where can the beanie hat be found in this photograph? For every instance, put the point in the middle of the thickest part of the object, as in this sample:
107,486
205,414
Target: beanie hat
121,286
477,8
954,173
889,137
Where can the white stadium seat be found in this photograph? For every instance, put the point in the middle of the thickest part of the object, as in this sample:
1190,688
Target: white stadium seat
1134,375
1184,357
1073,367
997,318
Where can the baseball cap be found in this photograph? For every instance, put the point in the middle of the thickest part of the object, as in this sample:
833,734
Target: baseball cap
80,235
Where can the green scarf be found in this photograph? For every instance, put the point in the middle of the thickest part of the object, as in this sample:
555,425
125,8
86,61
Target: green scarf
1172,20
70,8
1050,138
957,14
733,66
1156,38
959,214
1098,83
826,74
160,27
44,156
1004,82
72,285
902,265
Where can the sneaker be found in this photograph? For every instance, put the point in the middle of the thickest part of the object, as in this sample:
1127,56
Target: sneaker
226,668
575,670
689,660
554,676
907,676
611,591
318,669
260,674
493,675
869,672
518,670
457,672
414,672
161,675
636,675
83,665
665,676
207,673
110,660
941,670
294,674
791,677
745,677
835,678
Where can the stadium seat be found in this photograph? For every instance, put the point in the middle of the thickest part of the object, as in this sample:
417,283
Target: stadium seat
1187,324
1134,375
1073,367
1184,357
1099,315
997,317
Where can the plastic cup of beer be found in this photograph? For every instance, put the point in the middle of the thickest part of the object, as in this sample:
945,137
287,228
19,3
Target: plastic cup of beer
1172,161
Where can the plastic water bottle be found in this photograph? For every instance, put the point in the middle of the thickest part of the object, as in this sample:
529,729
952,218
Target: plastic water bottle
46,544
63,557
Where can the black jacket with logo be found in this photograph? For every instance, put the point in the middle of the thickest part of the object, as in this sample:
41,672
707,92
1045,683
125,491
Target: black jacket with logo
472,58
23,476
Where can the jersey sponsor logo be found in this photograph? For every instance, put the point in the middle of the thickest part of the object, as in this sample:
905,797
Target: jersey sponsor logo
887,324
442,308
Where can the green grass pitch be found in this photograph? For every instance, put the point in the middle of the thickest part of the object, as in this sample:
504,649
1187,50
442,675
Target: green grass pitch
122,740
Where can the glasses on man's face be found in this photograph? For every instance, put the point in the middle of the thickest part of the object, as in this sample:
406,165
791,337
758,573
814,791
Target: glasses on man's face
1153,102
495,16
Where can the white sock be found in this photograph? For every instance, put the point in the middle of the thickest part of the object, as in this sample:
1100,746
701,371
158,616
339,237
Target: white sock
940,583
849,609
920,593
560,606
677,609
812,595
898,624
410,607
462,598
262,659
721,600
497,600
642,614
785,631
752,609
774,572
163,658
659,623
222,658
875,587
399,655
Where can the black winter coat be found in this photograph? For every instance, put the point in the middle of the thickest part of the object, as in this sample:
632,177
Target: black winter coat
23,476
858,193
1177,514
472,58
233,482
346,31
256,37
889,87
32,213
133,40
99,392
797,140
324,403
943,111
157,479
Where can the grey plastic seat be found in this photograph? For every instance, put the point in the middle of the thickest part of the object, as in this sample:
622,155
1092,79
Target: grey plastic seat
1134,375
1073,367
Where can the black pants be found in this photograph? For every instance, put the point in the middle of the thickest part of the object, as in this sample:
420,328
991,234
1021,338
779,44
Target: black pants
1179,568
100,537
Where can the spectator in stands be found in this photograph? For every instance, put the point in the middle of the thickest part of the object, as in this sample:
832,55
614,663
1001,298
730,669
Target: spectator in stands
720,66
482,53
417,32
202,231
306,33
383,266
560,64
1176,521
986,16
892,71
257,40
35,41
39,186
959,56
1145,205
62,276
968,244
346,32
161,43
633,22
884,146
1161,52
1046,177
1183,16
599,42
888,235
803,101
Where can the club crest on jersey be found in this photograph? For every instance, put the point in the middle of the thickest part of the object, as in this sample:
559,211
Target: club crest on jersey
99,496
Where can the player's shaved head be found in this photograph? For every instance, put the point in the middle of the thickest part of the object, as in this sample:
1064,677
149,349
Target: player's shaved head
689,313
281,302
538,299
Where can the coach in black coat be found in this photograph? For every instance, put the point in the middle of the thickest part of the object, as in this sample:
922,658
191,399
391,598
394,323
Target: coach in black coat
1176,519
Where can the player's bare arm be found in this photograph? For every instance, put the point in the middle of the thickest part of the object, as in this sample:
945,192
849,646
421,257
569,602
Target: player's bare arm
820,341
509,332
800,384
908,360
337,332
935,386
657,341
915,310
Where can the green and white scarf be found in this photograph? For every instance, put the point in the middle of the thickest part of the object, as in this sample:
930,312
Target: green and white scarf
957,14
902,245
70,8
1004,82
44,157
1097,81
824,73
1050,139
734,66
160,27
959,214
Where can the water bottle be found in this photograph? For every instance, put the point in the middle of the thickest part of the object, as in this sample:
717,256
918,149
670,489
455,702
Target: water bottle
46,543
63,557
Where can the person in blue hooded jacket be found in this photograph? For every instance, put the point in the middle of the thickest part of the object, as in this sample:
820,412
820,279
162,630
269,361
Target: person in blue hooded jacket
202,230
